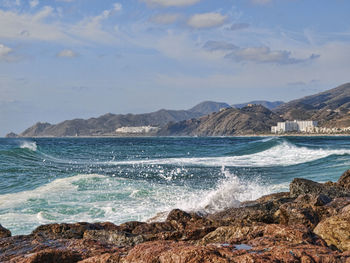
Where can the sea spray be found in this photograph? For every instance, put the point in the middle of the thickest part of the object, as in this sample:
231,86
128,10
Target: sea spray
29,145
127,179
229,192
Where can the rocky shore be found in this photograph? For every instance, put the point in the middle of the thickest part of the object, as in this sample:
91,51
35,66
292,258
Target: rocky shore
311,223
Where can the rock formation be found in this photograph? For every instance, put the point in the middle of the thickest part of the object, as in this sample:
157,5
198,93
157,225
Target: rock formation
311,223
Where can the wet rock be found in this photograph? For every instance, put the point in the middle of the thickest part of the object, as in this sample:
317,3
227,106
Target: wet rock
4,232
68,231
120,239
129,226
294,214
344,180
233,234
335,230
153,228
259,211
301,186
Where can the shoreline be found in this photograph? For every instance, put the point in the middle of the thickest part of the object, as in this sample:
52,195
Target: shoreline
310,223
153,136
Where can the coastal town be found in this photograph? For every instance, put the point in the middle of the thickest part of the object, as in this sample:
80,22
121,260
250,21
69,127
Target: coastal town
308,127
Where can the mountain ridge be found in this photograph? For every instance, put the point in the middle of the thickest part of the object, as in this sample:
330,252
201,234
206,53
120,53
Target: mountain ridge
331,108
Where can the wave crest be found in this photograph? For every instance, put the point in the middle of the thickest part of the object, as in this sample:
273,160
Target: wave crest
29,145
283,154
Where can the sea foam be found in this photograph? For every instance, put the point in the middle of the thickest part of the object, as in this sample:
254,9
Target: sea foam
29,145
283,154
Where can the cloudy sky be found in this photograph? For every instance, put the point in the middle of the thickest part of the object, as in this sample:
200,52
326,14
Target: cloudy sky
62,59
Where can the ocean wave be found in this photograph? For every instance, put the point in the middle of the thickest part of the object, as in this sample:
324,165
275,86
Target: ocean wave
229,192
283,154
29,145
94,197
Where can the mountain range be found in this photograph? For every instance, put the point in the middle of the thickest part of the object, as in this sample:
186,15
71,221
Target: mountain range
330,108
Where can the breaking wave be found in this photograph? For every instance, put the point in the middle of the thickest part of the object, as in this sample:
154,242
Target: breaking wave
29,145
283,154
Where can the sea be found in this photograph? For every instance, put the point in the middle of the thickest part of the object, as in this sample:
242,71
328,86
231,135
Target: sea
56,180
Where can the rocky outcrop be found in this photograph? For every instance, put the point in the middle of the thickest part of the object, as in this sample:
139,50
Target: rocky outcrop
4,232
311,223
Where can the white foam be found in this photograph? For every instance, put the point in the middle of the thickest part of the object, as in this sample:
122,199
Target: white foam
230,192
93,197
58,187
29,145
284,154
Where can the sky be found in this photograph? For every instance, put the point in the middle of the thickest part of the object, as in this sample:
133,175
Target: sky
65,59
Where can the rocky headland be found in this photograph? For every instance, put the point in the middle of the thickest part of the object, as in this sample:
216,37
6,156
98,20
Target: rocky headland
311,223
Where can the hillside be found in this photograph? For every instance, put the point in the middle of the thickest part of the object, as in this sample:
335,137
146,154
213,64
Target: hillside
330,108
108,123
248,120
267,104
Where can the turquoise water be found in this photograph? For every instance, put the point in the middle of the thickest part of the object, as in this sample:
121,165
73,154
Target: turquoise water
121,179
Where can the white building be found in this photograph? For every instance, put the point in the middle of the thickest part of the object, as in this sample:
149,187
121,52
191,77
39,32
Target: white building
136,130
294,126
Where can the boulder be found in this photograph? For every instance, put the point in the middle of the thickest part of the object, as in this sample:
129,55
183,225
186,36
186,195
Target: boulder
4,232
259,211
300,186
233,234
335,230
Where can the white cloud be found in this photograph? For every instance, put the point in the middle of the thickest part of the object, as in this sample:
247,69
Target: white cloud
33,3
117,7
206,20
43,13
68,53
169,3
4,52
266,55
164,19
17,26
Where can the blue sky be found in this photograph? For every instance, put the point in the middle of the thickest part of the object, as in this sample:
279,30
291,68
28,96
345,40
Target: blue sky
64,59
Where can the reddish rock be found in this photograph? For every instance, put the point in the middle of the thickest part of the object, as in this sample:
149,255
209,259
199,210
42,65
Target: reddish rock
105,258
344,180
50,256
68,231
335,230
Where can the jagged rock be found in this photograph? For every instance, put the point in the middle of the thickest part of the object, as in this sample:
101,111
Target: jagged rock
307,226
4,232
68,231
234,234
344,180
335,230
300,186
261,210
